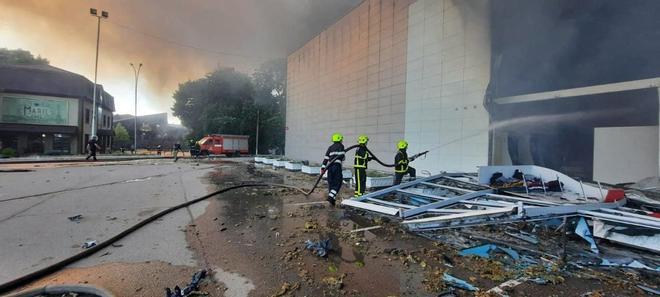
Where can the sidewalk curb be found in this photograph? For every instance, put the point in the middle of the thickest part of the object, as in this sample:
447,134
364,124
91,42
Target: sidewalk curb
80,160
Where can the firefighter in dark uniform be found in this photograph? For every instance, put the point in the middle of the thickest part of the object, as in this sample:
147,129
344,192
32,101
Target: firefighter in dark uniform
362,156
401,161
334,169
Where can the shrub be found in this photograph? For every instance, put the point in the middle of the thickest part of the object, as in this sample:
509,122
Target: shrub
8,152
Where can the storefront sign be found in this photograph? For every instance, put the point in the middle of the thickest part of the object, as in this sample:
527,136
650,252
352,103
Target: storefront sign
35,111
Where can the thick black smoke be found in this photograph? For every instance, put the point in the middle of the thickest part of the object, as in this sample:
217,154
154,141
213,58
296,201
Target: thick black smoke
547,45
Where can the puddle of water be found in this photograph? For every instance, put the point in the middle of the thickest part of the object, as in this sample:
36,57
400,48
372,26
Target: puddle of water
237,286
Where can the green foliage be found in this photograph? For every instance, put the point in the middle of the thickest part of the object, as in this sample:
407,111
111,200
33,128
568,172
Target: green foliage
8,152
270,91
229,102
20,57
121,135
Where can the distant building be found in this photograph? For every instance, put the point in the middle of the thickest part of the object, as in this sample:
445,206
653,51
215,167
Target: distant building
152,130
48,110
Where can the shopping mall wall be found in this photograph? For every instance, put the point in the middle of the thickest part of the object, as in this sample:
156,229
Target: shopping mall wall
448,70
393,70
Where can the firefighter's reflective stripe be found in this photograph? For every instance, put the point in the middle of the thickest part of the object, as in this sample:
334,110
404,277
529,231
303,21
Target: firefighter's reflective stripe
361,161
401,166
332,155
358,190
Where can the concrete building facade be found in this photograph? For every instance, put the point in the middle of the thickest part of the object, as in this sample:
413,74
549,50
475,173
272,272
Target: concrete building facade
564,85
392,70
47,110
350,79
448,70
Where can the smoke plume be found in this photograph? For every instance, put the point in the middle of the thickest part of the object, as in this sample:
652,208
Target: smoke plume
175,40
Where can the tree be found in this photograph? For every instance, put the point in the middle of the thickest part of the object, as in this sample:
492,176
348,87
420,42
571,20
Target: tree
20,57
270,97
222,102
121,135
227,102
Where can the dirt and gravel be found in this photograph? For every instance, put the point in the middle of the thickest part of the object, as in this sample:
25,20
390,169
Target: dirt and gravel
253,242
261,232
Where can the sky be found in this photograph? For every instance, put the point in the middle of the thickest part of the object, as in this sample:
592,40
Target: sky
175,40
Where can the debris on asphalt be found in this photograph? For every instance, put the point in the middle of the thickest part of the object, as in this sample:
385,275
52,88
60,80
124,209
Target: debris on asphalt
89,244
190,289
366,229
631,264
485,250
309,225
286,288
516,250
457,282
649,290
522,231
75,218
334,282
503,288
582,230
319,248
530,238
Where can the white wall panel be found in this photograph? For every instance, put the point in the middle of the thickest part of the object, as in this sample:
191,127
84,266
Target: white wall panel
447,74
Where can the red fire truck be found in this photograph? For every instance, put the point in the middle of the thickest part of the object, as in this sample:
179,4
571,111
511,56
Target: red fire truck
224,144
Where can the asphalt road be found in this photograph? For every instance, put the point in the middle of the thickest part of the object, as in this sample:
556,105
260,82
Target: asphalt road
34,208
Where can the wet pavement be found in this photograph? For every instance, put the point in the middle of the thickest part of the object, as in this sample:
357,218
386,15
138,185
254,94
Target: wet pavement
252,240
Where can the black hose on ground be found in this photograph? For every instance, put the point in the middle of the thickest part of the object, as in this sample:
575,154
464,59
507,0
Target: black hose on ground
28,278
336,157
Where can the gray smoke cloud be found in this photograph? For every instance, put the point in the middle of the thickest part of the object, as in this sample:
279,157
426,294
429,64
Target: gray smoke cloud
175,40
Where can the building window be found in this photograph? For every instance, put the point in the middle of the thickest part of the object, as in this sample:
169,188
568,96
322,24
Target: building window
86,115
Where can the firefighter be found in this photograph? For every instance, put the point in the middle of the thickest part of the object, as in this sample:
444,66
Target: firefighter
401,161
334,169
362,156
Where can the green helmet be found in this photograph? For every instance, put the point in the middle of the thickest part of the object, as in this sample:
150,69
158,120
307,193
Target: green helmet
363,139
337,137
402,144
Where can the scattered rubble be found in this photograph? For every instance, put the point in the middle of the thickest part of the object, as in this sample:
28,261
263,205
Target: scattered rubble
319,248
434,205
190,289
88,244
75,218
457,282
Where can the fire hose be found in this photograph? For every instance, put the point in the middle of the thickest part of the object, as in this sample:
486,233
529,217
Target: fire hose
373,157
33,276
28,278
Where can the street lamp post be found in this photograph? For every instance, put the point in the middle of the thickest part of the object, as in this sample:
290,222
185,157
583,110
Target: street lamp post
137,75
104,15
256,147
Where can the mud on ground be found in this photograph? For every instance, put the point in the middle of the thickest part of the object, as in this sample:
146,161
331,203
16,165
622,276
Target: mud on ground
252,240
259,234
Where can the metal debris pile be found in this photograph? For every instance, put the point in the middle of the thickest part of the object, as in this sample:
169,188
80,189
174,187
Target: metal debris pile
540,231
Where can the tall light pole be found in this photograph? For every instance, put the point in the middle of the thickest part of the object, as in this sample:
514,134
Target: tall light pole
104,15
256,147
137,75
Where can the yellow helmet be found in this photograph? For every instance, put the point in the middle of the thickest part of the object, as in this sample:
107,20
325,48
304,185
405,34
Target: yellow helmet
402,144
363,139
337,137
